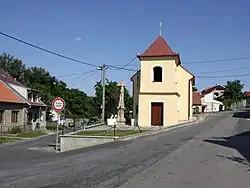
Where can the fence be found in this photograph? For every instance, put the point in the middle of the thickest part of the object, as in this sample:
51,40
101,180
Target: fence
238,105
5,129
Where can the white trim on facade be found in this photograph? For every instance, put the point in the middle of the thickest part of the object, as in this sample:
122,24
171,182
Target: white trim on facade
152,72
164,111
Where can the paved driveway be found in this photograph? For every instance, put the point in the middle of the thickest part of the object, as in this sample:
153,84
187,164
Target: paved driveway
178,158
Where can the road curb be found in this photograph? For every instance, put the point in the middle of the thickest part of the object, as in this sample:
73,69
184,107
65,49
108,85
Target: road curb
131,137
170,128
23,140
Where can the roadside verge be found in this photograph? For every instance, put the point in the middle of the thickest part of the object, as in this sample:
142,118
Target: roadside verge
73,141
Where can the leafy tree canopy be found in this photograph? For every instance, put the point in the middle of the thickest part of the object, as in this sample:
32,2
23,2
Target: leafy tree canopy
78,104
233,92
112,99
194,89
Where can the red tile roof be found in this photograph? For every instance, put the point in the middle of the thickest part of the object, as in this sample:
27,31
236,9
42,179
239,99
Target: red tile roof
210,89
9,95
247,93
159,48
4,76
6,79
196,98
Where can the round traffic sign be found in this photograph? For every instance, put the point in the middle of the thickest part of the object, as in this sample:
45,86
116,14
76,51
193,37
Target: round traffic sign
58,104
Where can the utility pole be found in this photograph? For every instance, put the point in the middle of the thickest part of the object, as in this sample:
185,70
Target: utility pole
103,68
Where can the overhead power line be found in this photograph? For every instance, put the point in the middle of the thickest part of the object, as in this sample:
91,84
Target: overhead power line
120,65
223,76
123,67
74,74
118,68
46,50
84,76
61,55
224,70
218,60
93,70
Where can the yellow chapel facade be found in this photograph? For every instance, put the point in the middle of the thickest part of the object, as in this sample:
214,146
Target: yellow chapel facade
162,89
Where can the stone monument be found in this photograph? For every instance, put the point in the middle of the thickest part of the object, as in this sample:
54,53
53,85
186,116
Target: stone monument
121,106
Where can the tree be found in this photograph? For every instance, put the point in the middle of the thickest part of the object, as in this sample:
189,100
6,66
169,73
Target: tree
112,93
78,104
195,89
233,92
13,66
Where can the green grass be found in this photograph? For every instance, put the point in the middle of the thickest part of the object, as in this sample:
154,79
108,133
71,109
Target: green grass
53,127
109,133
30,134
6,139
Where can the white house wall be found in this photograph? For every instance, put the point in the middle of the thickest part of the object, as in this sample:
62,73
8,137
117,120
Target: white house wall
212,107
207,98
211,104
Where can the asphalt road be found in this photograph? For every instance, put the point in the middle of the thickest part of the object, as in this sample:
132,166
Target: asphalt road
110,165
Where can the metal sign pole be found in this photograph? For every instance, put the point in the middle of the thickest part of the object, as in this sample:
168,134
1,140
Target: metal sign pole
57,130
58,105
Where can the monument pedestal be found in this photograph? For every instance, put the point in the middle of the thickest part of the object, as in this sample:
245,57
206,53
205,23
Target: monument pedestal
121,107
120,119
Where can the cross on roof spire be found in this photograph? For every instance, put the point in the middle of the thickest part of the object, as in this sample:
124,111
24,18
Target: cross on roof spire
160,24
121,84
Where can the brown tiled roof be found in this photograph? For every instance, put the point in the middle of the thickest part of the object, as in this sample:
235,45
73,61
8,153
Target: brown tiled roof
4,76
159,48
38,104
196,98
247,93
9,95
210,89
6,79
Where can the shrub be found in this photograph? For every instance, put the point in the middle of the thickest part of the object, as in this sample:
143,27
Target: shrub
15,130
53,127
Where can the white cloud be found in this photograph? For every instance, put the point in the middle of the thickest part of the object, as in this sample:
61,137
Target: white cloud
78,39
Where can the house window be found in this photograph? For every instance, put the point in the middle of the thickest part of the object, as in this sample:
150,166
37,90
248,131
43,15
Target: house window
29,96
157,71
14,116
1,116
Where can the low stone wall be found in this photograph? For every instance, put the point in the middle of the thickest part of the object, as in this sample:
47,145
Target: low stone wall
71,142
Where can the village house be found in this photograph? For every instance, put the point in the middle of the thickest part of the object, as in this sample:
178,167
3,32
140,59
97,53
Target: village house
162,89
247,98
197,107
35,117
209,99
12,108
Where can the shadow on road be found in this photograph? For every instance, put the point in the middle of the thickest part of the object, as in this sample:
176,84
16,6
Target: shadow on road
239,142
242,114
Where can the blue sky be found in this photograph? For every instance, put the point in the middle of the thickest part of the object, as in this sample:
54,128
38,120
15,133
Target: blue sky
113,32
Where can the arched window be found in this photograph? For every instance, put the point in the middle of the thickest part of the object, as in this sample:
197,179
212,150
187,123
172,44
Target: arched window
157,71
